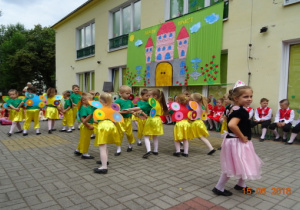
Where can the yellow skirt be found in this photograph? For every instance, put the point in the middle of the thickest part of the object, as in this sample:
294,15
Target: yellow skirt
182,130
134,118
199,129
16,115
51,113
224,127
153,126
68,118
141,125
107,133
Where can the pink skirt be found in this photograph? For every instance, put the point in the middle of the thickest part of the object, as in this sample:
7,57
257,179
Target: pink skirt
239,159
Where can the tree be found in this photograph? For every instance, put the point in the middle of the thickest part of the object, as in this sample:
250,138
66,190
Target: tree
26,56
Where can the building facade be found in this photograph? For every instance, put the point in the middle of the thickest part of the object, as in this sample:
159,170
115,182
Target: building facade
260,45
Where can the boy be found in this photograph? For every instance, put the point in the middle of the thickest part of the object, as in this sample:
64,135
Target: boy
263,116
125,126
75,97
32,113
283,119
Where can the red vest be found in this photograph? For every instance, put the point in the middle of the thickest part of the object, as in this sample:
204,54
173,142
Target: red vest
285,114
249,109
263,112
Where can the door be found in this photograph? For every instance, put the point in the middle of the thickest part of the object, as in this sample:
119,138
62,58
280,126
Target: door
163,74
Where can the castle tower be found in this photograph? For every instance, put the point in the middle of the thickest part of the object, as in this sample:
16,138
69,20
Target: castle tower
149,50
165,42
182,42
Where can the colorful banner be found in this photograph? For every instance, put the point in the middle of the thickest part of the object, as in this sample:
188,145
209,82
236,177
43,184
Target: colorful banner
183,51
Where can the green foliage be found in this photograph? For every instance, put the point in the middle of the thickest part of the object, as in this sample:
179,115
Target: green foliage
26,56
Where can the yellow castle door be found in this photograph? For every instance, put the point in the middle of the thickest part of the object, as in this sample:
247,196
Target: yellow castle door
163,74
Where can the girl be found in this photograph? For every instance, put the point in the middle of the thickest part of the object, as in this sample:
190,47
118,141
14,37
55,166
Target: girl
210,114
108,135
86,127
15,112
238,157
218,112
153,125
68,113
141,120
51,110
198,127
228,106
182,130
169,115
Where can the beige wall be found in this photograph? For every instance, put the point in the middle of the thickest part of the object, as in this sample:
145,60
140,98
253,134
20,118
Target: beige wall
266,51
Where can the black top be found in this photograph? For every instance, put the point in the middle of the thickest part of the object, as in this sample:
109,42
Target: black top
244,124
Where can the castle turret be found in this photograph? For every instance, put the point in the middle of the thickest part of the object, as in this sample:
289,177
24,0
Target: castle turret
182,42
149,50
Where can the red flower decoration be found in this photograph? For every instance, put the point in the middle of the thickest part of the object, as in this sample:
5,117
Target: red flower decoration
215,78
148,79
211,67
176,81
208,75
206,65
202,68
179,83
215,72
185,83
217,66
187,74
213,56
185,69
185,80
205,80
211,62
145,71
188,77
207,70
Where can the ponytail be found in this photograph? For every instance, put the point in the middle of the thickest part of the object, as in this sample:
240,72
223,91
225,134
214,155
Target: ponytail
163,103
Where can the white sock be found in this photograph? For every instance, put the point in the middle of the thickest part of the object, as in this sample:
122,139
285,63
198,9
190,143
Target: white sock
284,135
37,130
12,127
19,126
186,146
293,136
241,183
263,133
208,144
155,144
73,127
103,156
69,129
118,149
85,154
276,133
177,146
147,143
222,181
64,128
49,124
52,125
210,123
139,140
93,135
25,131
129,145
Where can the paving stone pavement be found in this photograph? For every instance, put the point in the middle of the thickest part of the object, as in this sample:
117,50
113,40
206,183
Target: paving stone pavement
41,172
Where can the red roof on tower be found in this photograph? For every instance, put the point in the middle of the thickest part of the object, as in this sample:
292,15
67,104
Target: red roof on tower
166,28
149,43
183,33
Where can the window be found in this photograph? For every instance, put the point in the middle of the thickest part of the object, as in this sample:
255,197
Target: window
178,8
118,77
86,37
288,2
124,20
86,81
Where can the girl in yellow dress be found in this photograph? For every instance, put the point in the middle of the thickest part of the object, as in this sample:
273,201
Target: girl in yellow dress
153,125
199,129
51,110
108,134
182,130
15,112
68,113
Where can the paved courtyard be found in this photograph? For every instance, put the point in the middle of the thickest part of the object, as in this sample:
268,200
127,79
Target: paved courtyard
41,172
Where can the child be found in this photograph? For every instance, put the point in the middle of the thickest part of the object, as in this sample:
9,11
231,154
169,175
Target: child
169,114
228,106
182,130
197,126
141,122
51,110
153,125
15,112
263,116
210,114
238,157
295,131
86,128
187,94
283,119
75,97
92,92
68,113
108,135
218,112
31,113
125,126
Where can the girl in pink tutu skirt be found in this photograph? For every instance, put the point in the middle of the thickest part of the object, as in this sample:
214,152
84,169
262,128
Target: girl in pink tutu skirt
238,157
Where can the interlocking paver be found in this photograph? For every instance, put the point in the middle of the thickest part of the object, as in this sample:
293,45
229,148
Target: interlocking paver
42,172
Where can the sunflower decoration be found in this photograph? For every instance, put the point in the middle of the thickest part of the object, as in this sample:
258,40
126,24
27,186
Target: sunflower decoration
104,112
204,116
35,100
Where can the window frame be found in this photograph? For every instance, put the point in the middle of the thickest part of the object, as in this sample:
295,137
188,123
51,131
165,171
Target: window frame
90,49
83,87
120,8
111,74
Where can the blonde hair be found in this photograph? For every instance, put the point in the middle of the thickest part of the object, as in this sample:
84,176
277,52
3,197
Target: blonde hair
161,98
106,97
86,96
51,92
237,92
200,99
92,92
181,98
13,90
66,93
124,88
